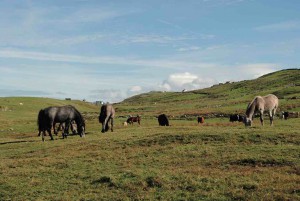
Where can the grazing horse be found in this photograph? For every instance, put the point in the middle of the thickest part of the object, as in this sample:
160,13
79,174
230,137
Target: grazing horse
260,104
200,120
107,113
137,119
64,114
163,120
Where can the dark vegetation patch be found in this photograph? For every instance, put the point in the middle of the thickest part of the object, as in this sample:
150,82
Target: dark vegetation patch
249,186
153,182
164,140
270,139
262,162
104,180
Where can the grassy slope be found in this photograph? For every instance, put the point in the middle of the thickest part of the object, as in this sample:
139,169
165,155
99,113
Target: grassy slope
225,98
22,118
216,161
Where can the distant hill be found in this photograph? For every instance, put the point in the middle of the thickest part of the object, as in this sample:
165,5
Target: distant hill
221,99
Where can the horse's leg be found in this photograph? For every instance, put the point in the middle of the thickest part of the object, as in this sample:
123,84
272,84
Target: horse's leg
55,131
112,124
43,135
60,128
50,134
271,117
107,125
272,114
261,117
104,124
72,128
66,130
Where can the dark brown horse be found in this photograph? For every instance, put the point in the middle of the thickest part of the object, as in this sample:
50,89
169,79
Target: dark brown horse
107,113
137,119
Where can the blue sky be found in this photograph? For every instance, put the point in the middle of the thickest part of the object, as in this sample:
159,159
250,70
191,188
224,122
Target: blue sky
110,50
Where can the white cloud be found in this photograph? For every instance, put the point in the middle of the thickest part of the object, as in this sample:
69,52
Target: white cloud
108,95
160,39
135,89
187,81
281,26
256,70
186,49
163,63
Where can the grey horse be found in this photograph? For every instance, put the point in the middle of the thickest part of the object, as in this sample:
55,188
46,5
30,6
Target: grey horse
260,104
107,114
64,114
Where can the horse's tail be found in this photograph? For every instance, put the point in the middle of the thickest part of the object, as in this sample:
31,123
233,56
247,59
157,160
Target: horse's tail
41,120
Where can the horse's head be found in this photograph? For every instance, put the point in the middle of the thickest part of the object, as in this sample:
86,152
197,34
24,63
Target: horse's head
81,129
247,121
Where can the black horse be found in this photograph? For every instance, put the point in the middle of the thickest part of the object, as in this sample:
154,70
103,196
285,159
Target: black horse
48,117
107,113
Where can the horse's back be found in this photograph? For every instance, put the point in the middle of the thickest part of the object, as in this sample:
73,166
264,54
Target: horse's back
107,110
50,113
271,101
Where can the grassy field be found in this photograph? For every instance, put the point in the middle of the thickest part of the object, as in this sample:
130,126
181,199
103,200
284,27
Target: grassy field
217,160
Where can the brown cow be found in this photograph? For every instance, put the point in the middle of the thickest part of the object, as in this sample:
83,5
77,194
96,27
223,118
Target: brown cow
200,120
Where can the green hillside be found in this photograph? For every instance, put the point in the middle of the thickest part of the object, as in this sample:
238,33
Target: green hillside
19,114
225,98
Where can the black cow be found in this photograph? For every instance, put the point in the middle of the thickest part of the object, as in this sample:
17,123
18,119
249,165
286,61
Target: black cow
233,117
163,120
285,115
236,117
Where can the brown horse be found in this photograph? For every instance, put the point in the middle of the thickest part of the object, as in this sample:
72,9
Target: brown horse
260,104
137,119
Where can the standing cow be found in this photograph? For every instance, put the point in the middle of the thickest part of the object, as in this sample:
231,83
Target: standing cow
200,120
285,115
163,120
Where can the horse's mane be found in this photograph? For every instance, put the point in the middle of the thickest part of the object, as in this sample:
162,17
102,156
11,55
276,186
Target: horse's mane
80,117
250,106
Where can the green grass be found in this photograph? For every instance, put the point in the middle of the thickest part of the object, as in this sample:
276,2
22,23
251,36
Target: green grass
214,161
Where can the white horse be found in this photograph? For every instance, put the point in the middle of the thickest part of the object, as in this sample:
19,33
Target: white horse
260,104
